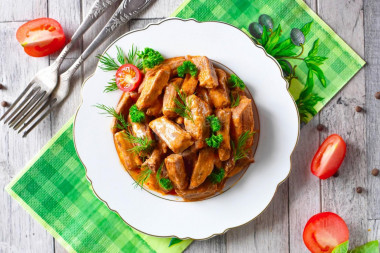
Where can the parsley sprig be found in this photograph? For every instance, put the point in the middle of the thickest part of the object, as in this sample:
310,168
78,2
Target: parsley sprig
240,151
187,67
214,141
137,116
150,57
164,183
217,175
235,82
214,123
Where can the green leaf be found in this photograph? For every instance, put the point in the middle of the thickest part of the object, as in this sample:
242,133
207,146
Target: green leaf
265,37
285,45
341,248
319,73
316,60
273,39
174,241
120,56
285,67
314,49
306,28
308,86
369,247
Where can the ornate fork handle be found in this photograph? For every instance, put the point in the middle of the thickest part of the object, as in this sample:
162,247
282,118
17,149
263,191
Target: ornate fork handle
97,9
126,10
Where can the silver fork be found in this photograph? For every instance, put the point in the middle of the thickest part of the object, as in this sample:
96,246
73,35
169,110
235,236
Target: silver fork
43,83
126,10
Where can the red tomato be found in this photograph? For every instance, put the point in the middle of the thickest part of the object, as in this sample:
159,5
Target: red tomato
128,77
41,37
329,157
324,231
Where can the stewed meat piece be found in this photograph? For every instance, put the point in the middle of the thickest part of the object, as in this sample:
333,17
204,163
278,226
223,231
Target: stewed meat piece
203,167
207,75
242,120
196,125
170,95
156,108
173,135
240,165
220,95
176,171
205,190
154,160
130,160
152,87
174,63
224,115
141,130
189,84
125,102
203,94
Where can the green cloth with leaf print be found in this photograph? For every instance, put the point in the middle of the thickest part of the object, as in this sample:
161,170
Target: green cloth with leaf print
53,188
316,70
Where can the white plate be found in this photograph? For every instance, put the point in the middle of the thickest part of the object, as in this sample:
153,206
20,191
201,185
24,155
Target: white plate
279,124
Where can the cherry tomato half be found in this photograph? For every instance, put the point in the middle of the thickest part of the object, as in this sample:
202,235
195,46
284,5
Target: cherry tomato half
128,77
329,157
324,231
41,37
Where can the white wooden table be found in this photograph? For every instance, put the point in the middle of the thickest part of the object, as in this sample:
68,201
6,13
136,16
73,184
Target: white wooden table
279,228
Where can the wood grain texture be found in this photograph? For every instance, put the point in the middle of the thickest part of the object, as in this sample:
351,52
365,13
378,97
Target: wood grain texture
373,230
22,10
19,232
338,194
372,75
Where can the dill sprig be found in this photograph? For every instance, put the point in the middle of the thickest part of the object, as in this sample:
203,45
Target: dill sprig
164,183
132,57
111,112
142,145
235,101
240,151
112,86
182,109
108,63
143,177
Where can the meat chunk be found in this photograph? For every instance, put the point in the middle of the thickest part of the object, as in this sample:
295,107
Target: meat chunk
239,166
207,189
189,158
125,102
203,167
156,109
152,87
207,75
242,120
176,171
154,160
196,126
174,63
224,151
130,161
173,135
189,84
170,96
140,130
220,95
203,94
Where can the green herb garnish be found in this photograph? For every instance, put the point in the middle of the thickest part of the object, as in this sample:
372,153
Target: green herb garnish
235,101
133,58
137,116
164,183
108,63
215,140
150,57
142,145
112,86
236,82
182,109
217,175
240,151
111,112
143,177
214,123
187,67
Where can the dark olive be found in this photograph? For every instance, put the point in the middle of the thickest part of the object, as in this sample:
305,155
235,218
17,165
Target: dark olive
256,30
297,37
266,20
288,70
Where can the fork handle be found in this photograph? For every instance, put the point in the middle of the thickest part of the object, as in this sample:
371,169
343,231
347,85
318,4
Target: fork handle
97,10
126,10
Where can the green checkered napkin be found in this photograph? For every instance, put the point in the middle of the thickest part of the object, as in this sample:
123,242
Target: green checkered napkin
53,188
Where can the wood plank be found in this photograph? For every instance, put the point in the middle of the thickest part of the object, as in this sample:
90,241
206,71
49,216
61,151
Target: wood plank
373,230
19,232
215,244
160,9
21,10
69,16
268,232
338,194
372,75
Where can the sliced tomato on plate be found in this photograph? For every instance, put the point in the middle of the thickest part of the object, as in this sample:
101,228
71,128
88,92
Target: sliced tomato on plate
41,37
324,231
329,157
128,77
